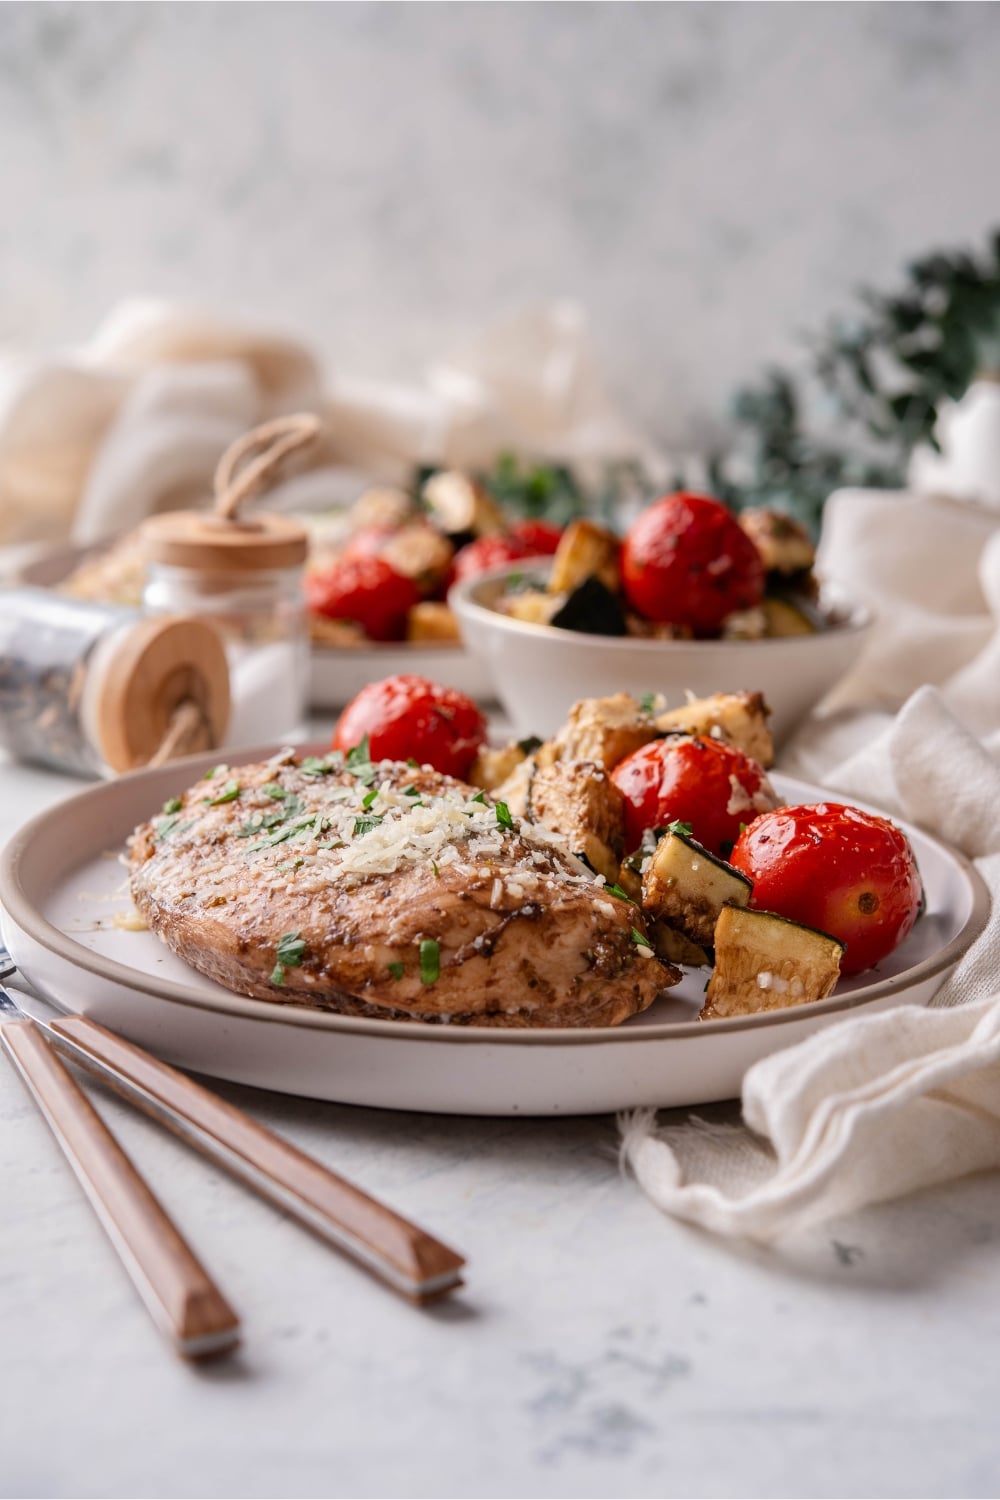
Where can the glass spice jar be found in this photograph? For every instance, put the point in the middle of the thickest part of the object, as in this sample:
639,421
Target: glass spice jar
245,574
98,689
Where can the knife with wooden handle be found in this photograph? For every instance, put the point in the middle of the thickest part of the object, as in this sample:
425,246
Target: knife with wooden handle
404,1256
179,1293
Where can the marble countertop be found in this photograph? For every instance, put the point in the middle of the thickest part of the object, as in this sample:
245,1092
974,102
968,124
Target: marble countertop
598,1349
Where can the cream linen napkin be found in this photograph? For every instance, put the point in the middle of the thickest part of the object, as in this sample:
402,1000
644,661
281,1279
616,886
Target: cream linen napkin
877,1106
93,441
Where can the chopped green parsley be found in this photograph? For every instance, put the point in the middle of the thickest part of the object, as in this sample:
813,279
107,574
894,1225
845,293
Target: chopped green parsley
314,766
291,947
430,961
229,793
365,825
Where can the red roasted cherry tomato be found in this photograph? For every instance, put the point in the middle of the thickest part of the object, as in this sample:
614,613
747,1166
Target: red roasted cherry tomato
849,873
540,537
704,782
409,718
687,561
488,552
366,590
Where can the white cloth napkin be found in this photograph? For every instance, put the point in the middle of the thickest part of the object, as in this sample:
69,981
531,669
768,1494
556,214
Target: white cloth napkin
876,1106
93,441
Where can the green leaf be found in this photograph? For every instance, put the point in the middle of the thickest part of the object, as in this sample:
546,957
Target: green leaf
365,825
430,961
282,834
638,939
290,949
173,806
359,763
616,890
360,755
313,765
647,703
504,818
479,797
369,798
397,970
169,826
229,793
289,953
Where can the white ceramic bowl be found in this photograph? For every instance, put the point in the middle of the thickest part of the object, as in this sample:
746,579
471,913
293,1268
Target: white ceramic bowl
539,670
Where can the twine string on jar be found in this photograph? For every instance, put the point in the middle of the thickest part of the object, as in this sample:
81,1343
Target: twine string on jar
188,731
251,462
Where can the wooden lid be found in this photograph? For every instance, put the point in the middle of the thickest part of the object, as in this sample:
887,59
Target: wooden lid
224,541
160,672
216,544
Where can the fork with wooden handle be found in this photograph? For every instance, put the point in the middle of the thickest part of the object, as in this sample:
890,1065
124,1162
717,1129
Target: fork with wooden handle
181,1296
407,1258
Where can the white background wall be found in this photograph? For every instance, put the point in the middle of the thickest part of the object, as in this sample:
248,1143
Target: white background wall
710,180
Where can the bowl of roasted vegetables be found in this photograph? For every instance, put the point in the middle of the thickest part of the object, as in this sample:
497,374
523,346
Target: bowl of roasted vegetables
692,600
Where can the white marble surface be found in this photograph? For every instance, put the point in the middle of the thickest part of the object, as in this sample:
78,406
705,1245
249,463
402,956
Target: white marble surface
711,180
597,1350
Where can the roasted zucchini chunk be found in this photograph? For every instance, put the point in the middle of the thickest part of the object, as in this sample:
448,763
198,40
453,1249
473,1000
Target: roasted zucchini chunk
630,881
786,617
764,962
491,768
586,550
579,799
383,508
419,552
533,606
605,730
460,506
687,886
784,544
740,718
591,607
431,621
674,947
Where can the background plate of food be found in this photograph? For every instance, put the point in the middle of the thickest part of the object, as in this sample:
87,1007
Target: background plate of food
71,926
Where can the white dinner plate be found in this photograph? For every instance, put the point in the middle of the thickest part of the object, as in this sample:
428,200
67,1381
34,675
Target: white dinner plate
62,889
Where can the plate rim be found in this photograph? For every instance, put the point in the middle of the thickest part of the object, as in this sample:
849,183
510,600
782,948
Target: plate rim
16,904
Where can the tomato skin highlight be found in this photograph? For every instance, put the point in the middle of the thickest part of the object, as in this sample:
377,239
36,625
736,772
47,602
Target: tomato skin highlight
832,866
687,561
407,717
365,589
691,780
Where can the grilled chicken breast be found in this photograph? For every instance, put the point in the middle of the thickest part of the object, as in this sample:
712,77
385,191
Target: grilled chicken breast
386,890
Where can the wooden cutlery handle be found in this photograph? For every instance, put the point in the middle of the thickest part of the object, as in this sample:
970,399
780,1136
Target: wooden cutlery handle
404,1256
179,1293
